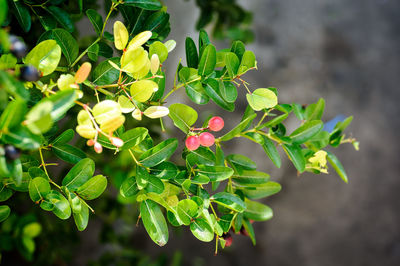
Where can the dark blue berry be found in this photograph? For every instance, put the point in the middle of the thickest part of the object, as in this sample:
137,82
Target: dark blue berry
12,153
29,73
18,47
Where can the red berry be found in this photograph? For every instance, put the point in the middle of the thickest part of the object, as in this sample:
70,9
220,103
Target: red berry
243,231
207,139
216,123
192,143
228,240
90,142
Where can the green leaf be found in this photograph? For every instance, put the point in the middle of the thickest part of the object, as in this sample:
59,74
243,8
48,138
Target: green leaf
208,60
133,137
241,162
229,201
38,119
248,62
61,205
232,64
62,17
64,138
12,86
192,58
13,114
144,4
5,193
238,49
22,138
200,179
202,230
79,174
165,170
105,73
68,44
82,218
262,191
235,132
275,121
271,150
202,155
187,209
32,230
296,156
315,111
257,211
261,99
154,222
159,153
196,93
249,178
212,88
157,22
320,140
4,212
7,61
129,187
250,230
38,189
308,130
93,188
45,56
96,20
225,222
62,102
75,202
3,11
48,22
215,173
22,14
159,49
183,116
154,184
337,165
228,91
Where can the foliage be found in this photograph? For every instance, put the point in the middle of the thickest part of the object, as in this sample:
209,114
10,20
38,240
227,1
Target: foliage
118,102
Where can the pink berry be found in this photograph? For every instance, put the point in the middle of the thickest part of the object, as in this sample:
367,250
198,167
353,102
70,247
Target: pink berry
117,142
206,139
98,148
216,123
192,143
228,240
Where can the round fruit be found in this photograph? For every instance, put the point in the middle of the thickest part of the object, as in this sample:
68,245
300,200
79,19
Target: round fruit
30,73
98,148
228,240
216,123
206,139
117,142
12,153
192,143
18,47
90,142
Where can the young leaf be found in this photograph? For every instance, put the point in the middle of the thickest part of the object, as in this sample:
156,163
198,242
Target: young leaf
142,90
13,114
315,111
121,35
229,201
93,188
45,56
79,174
38,119
62,102
208,60
257,211
183,116
159,153
154,222
159,49
248,61
261,99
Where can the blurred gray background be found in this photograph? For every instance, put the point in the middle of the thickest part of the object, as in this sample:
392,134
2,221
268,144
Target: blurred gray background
347,52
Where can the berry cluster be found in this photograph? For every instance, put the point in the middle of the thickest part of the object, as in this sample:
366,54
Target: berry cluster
205,139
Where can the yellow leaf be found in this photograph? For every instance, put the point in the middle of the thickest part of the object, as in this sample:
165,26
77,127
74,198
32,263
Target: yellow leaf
139,40
142,90
121,35
86,131
83,72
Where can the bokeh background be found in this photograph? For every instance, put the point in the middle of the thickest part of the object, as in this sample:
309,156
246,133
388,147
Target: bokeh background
347,52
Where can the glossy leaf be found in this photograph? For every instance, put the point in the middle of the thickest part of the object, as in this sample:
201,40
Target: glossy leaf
248,61
45,56
208,60
215,173
295,155
235,132
159,153
262,191
240,161
79,174
183,116
82,218
192,58
144,4
142,90
62,101
4,212
96,20
38,188
129,187
61,208
249,178
133,137
232,64
93,188
68,44
229,201
337,165
212,88
104,73
262,98
202,230
187,209
154,222
64,137
22,14
154,184
257,211
308,130
271,150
